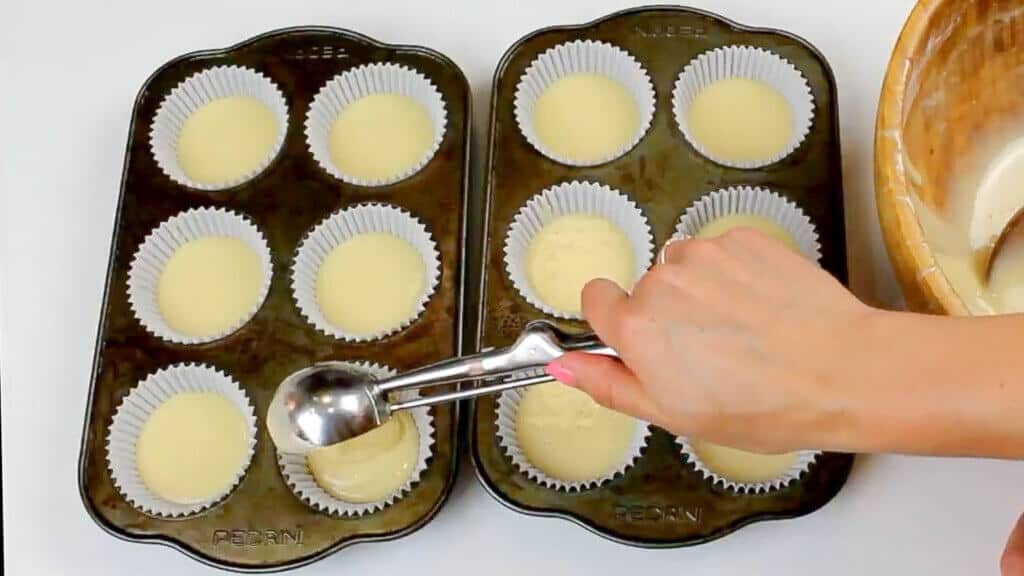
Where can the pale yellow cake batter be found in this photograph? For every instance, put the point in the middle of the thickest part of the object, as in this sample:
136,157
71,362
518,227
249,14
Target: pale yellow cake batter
741,466
979,207
191,447
585,117
762,224
571,250
738,119
369,467
370,283
568,436
1000,193
1007,279
226,138
208,285
380,136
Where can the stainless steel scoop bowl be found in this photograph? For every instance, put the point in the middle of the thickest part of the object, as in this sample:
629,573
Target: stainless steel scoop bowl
331,402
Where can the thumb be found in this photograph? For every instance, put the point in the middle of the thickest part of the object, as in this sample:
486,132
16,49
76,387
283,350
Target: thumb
608,381
1012,562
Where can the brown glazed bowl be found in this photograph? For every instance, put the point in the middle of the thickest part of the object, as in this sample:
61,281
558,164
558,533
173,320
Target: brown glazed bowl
954,78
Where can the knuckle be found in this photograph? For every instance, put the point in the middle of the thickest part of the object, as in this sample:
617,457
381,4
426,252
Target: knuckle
633,323
742,234
659,274
699,248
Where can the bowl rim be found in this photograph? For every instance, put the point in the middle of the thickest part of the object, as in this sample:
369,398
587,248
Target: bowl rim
924,285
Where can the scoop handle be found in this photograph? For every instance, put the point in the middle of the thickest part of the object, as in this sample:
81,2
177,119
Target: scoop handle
540,342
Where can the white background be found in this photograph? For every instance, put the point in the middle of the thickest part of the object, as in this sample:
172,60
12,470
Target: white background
68,76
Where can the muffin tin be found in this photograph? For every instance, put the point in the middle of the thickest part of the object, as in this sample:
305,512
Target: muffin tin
262,525
661,501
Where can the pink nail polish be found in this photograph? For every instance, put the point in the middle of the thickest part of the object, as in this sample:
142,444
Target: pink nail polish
560,373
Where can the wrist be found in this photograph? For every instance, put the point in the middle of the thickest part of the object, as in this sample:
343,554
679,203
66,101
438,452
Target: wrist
864,363
921,384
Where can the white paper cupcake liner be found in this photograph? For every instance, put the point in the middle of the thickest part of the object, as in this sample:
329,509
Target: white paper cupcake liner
297,475
804,460
202,88
754,64
508,406
346,224
137,407
573,198
158,247
349,86
576,57
754,201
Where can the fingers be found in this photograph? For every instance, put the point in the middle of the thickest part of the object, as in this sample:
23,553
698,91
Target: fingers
739,244
1012,562
604,305
671,251
607,381
663,253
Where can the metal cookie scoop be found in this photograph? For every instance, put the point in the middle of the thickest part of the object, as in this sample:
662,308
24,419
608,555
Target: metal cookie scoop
328,403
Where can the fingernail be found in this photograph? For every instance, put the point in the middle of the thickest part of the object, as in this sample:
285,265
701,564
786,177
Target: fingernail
560,373
664,250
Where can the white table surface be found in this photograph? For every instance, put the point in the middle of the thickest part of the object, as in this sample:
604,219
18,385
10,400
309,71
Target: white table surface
68,76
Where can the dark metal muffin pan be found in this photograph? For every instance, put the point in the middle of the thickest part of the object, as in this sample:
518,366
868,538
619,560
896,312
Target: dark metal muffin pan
262,525
661,501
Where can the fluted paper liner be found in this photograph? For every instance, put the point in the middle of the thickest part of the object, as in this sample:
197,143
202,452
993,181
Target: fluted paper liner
753,201
158,247
804,460
351,85
508,407
202,88
590,57
137,407
754,64
573,198
346,224
297,475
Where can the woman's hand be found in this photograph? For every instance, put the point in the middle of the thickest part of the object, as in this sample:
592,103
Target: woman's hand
1012,562
737,340
740,341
